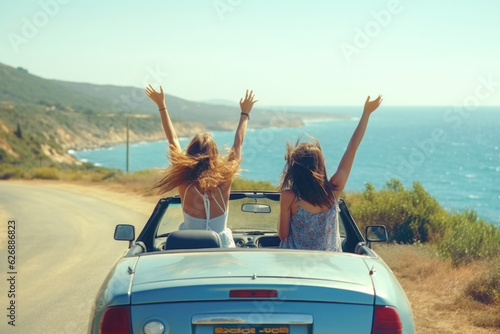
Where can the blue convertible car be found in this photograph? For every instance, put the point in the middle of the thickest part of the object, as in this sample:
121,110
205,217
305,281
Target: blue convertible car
182,282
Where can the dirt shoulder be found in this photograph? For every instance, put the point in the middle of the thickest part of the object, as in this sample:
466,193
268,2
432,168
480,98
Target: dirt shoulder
435,290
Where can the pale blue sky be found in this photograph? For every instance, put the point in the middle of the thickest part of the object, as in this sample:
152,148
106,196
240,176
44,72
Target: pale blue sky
290,52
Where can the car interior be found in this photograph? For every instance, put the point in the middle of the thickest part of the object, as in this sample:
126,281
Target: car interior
252,218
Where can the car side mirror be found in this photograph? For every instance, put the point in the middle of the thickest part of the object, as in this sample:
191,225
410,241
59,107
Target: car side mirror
255,208
376,233
125,232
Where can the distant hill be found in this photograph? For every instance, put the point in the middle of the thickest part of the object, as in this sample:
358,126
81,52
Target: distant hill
220,102
216,115
42,119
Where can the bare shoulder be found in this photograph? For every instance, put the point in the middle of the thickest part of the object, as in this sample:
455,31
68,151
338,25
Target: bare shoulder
182,188
288,196
226,186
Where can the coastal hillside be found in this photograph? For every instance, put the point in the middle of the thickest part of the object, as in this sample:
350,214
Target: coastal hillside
40,119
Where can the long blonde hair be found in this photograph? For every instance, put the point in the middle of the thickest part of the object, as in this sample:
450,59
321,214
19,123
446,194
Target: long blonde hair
200,163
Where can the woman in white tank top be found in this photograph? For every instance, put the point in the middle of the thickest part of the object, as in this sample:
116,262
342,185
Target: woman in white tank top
202,176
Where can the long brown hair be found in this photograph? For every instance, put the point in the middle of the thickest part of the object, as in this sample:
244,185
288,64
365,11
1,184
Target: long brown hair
305,173
200,163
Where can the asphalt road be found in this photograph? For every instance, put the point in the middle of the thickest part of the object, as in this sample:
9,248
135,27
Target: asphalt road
64,250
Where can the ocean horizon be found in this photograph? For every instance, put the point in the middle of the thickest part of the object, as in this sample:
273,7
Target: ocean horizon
453,152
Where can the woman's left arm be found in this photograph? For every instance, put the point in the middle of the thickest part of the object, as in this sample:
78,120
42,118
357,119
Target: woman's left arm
286,199
246,105
339,179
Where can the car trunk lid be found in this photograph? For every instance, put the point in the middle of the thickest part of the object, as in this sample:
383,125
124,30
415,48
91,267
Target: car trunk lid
212,275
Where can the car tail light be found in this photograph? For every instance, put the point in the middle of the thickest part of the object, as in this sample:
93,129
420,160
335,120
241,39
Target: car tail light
116,320
251,293
386,321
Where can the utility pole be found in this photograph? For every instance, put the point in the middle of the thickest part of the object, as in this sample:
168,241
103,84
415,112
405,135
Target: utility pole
128,126
128,129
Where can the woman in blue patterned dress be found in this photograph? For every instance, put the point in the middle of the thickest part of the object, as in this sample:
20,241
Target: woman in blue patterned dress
309,200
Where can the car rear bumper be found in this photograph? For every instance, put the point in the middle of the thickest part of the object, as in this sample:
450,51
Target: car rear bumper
235,316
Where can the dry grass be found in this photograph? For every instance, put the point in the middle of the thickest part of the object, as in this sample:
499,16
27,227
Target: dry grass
436,291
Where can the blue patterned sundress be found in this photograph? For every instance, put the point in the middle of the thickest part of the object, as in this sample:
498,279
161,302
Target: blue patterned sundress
318,231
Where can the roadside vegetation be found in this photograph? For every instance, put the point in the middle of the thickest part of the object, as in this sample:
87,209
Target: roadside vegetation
456,254
426,238
141,180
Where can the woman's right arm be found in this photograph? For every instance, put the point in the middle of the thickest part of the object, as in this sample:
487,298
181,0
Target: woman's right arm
168,127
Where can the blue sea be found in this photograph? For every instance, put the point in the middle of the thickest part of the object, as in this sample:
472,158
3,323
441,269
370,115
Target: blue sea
454,152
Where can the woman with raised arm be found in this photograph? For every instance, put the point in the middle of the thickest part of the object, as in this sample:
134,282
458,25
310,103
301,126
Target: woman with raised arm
309,200
202,176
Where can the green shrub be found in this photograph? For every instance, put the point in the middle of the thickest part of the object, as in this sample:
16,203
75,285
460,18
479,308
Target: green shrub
145,173
415,216
410,215
243,184
45,173
73,176
11,172
103,174
468,238
146,176
4,156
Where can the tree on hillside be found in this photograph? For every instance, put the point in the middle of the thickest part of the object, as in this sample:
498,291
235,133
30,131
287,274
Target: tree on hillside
18,132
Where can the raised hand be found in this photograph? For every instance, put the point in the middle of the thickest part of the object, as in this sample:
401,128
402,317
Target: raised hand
371,106
157,97
339,179
247,103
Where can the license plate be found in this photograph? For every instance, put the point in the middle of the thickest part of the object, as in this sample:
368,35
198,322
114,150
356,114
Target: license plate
278,329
